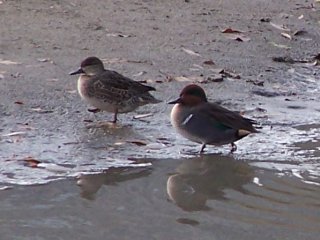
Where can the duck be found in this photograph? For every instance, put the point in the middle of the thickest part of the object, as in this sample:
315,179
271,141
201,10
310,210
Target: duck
110,91
207,123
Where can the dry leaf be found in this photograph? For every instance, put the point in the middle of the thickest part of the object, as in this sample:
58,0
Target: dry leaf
94,110
265,19
215,78
143,116
142,81
199,79
209,62
189,79
163,139
190,52
8,62
40,110
279,27
187,221
87,120
230,30
231,75
224,73
70,143
286,35
182,79
256,82
31,162
237,37
300,33
118,35
137,142
14,134
18,102
72,91
43,60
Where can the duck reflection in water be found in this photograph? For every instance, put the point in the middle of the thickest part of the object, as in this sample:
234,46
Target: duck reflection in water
206,177
91,183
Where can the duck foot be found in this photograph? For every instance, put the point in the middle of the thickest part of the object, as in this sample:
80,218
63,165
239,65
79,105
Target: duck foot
202,148
233,147
115,117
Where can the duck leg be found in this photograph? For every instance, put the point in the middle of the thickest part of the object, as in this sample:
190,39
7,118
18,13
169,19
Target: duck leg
115,116
202,148
233,147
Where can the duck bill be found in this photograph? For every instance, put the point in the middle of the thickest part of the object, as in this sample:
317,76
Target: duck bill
79,71
175,101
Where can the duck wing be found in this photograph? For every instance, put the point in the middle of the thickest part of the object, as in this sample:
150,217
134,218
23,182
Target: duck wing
226,117
113,79
113,85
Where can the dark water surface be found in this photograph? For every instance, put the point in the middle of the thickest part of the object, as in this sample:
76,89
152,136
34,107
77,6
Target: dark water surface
207,197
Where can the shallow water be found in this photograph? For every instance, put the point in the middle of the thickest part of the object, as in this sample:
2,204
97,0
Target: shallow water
97,182
207,197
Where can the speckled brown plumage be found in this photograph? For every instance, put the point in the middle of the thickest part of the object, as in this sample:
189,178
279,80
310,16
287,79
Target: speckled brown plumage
109,90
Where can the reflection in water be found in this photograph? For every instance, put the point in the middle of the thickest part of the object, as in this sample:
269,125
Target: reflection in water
206,177
102,133
91,183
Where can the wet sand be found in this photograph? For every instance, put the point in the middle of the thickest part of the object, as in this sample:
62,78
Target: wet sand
166,44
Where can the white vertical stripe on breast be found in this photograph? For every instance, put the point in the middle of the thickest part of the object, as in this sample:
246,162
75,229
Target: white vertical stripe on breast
187,119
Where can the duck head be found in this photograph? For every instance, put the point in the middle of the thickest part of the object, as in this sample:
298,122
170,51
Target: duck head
90,66
191,95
